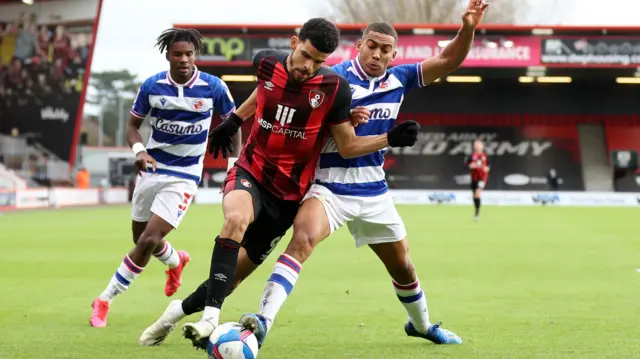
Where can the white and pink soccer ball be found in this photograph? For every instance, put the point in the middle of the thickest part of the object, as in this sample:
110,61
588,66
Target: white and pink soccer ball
232,341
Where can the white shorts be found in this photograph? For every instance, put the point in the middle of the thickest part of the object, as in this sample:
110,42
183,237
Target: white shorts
167,197
371,220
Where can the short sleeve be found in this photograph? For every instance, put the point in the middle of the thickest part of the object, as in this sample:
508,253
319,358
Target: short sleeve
261,55
141,106
410,75
341,108
222,99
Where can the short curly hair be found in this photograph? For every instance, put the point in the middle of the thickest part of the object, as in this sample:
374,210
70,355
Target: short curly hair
322,33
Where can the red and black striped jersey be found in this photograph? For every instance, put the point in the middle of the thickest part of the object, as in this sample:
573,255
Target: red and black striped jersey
292,122
481,161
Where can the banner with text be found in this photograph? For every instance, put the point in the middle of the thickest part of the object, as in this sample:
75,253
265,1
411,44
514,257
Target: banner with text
591,52
518,51
51,119
440,197
521,158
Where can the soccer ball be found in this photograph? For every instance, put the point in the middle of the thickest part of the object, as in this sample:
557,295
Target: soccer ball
232,341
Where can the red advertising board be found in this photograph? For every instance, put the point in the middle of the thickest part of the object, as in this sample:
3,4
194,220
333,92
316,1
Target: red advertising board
517,51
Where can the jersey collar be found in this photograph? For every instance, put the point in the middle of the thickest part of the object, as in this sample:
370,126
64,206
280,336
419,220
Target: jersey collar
362,75
190,83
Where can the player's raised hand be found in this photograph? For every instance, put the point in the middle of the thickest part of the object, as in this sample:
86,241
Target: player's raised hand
403,134
142,161
474,13
359,115
221,137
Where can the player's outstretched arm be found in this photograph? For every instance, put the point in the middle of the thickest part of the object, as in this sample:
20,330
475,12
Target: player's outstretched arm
457,50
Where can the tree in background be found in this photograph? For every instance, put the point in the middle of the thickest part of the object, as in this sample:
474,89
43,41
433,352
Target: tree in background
432,11
113,92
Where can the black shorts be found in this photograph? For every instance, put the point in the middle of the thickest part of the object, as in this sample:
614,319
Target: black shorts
272,216
476,184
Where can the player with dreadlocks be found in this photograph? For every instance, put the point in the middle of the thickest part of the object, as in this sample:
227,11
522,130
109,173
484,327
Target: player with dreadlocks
179,104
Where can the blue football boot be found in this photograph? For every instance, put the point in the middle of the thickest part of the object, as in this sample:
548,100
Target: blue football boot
434,334
256,324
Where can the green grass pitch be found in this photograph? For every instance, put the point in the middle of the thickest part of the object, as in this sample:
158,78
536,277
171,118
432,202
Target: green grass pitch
526,282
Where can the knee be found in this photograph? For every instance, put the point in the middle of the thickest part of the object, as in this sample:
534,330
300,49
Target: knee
236,222
403,264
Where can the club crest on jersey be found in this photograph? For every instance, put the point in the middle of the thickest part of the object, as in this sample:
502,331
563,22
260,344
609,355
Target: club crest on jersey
315,98
198,105
245,183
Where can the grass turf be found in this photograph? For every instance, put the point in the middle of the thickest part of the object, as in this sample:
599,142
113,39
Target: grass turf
524,282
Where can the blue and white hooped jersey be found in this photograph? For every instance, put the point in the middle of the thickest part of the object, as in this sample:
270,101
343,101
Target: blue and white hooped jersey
364,176
180,117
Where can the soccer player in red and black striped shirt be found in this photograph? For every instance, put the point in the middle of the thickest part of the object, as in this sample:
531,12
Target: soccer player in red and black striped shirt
299,104
478,165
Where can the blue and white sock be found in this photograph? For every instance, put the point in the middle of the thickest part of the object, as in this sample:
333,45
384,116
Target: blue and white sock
279,286
415,303
126,273
168,256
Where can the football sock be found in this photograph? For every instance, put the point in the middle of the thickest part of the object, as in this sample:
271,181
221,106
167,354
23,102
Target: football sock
221,276
168,256
476,203
415,303
195,301
126,273
279,286
174,313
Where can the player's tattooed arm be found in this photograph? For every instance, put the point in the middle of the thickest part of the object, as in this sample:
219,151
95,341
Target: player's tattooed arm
457,50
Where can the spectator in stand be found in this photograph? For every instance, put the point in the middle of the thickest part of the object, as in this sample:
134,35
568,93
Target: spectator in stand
82,46
42,172
8,40
44,42
61,45
15,74
83,178
26,44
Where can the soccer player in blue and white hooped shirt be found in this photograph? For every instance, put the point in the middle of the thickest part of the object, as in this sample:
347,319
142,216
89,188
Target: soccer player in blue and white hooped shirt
179,103
354,191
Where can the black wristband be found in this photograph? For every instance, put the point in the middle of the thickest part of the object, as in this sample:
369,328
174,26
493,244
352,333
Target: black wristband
235,119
